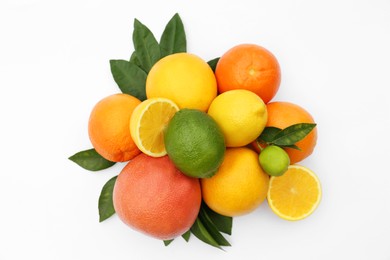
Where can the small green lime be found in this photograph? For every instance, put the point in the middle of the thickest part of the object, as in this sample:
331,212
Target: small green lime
274,160
194,143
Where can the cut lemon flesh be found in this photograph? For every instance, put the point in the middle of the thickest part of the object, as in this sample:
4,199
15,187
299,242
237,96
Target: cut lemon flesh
295,194
148,122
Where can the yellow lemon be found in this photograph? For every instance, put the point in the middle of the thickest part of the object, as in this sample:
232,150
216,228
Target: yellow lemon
148,122
295,194
241,114
184,78
239,186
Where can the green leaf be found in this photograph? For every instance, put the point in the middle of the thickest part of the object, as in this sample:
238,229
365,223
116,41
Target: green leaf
213,63
134,59
91,160
223,223
106,206
186,235
130,78
173,38
292,134
293,146
145,45
167,242
268,134
212,229
200,231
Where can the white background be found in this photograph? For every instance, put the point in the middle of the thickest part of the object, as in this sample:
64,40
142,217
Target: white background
54,66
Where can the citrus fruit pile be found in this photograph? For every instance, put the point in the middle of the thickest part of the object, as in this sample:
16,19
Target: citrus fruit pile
203,141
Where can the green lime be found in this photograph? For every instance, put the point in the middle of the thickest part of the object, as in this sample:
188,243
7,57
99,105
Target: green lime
274,160
194,143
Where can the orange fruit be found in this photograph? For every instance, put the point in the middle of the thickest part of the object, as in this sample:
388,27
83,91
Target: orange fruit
239,186
284,114
108,127
295,194
250,67
152,196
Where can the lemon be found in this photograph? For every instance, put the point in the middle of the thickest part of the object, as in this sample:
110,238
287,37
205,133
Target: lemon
148,122
239,186
296,194
184,78
194,143
241,114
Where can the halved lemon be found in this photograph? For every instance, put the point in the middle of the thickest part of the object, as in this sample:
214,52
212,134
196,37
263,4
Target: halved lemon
295,194
147,124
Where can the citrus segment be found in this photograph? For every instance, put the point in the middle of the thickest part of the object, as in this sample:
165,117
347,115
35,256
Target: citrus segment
296,194
148,123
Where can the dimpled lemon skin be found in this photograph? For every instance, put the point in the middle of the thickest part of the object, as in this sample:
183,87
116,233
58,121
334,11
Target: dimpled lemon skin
184,78
241,114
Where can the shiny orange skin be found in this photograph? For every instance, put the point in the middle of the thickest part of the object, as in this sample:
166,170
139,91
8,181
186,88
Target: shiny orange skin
155,198
250,67
108,127
284,114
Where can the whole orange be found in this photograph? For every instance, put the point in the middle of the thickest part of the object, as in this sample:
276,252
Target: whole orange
155,198
108,127
239,186
250,67
284,114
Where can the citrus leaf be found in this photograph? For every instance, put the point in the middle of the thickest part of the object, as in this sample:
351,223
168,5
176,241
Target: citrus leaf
213,63
292,134
293,146
268,134
91,160
145,45
200,231
106,206
167,242
223,223
186,235
134,59
173,38
212,229
130,78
